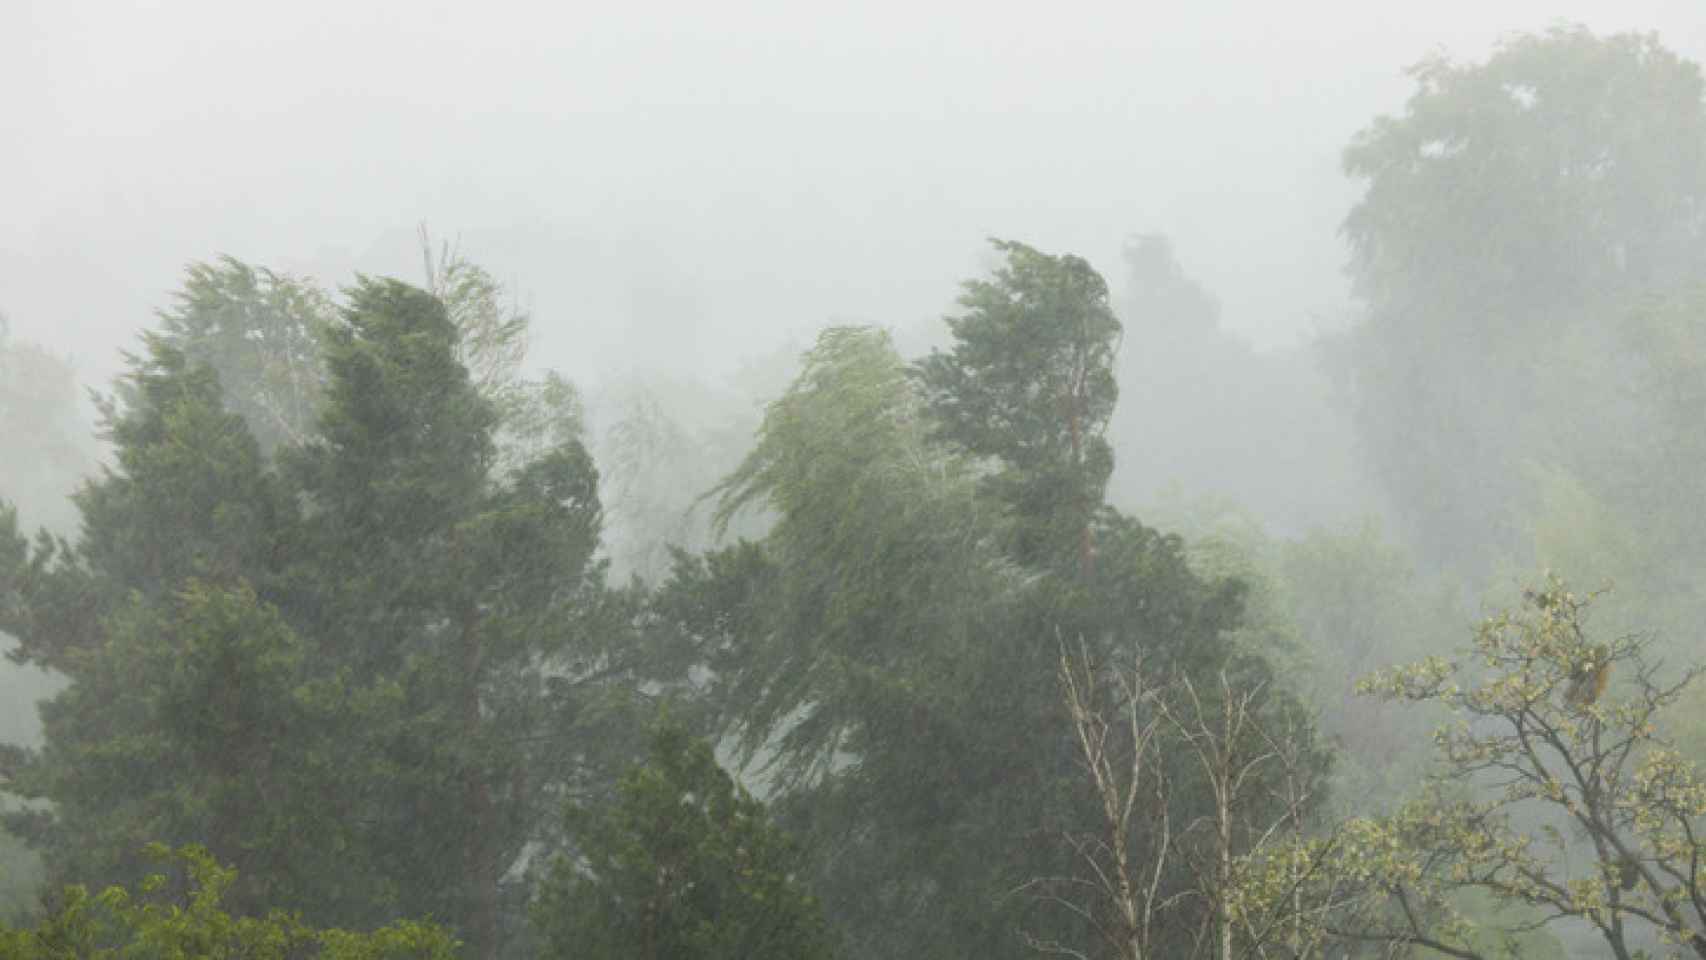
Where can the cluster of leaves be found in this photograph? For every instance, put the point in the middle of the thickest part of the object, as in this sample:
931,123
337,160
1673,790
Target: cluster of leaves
184,916
1556,794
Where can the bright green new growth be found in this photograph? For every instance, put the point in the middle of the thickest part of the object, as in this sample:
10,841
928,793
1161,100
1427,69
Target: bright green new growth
1598,776
183,917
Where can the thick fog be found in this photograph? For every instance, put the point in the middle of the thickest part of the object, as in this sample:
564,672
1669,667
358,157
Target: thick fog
678,190
671,187
1367,396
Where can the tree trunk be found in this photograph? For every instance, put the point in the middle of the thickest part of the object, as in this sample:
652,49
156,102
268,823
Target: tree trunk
1086,545
481,874
1223,867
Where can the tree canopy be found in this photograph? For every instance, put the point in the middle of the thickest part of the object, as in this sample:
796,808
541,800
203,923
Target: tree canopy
888,650
1511,218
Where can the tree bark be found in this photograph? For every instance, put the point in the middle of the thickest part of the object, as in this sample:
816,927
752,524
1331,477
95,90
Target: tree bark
481,873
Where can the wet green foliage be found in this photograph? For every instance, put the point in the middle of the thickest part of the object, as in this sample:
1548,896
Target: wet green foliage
387,637
181,914
682,863
1030,383
889,650
1558,797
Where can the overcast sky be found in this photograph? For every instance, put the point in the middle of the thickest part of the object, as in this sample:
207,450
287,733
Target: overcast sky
677,185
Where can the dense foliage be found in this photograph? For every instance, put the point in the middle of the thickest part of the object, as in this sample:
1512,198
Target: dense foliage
889,648
1512,218
683,863
379,638
185,916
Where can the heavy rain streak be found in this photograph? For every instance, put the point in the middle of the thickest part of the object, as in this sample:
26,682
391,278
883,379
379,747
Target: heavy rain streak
762,481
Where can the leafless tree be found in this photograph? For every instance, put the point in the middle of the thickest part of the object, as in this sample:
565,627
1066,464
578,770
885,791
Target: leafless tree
1261,774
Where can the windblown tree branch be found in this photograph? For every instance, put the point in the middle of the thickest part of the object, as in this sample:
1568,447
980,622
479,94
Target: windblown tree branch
1528,744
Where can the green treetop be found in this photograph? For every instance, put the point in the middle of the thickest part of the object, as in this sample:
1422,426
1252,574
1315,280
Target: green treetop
1029,383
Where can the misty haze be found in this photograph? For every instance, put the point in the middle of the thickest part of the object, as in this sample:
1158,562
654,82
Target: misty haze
805,481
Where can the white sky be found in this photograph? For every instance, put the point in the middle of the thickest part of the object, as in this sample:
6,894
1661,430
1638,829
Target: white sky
678,184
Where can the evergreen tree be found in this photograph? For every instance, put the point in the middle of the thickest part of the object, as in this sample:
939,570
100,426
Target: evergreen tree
391,638
158,618
1030,383
259,331
465,593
